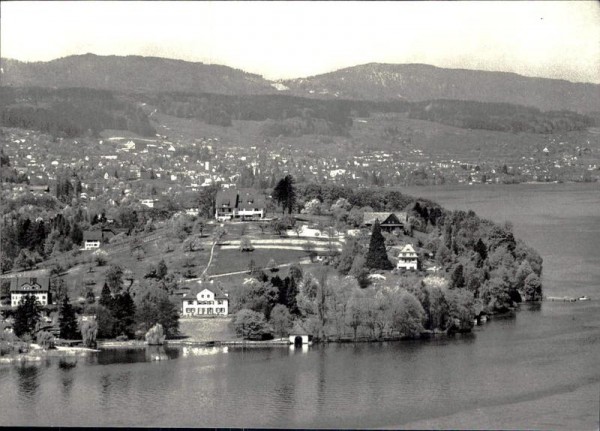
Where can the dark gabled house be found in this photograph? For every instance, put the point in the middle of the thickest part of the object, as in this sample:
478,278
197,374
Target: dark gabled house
239,204
389,221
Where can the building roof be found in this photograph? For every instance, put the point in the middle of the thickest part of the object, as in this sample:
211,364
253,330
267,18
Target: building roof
370,217
30,284
255,199
199,287
408,248
227,198
92,235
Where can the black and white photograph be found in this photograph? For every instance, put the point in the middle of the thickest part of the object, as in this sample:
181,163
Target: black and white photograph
300,215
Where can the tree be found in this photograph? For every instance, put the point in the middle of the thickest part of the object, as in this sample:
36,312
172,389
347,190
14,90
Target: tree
161,270
206,201
458,279
26,259
377,257
199,226
271,265
494,294
522,273
260,296
27,316
67,321
251,325
58,289
104,319
105,297
154,307
155,335
246,244
6,263
90,298
312,207
461,308
89,332
407,315
123,311
45,340
354,316
481,249
101,257
281,320
533,288
350,250
284,193
360,272
114,278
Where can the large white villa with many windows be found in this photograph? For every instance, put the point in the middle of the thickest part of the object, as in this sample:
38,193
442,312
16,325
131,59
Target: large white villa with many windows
205,301
38,287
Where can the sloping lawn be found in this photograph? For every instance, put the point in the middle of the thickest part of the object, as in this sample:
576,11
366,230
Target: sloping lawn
203,329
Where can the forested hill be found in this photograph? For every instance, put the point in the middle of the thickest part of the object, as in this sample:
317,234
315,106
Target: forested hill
70,112
372,82
132,74
419,82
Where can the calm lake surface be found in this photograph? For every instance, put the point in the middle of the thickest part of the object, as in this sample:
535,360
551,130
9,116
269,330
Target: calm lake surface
537,369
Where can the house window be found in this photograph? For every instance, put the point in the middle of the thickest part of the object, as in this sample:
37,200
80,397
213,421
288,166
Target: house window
220,302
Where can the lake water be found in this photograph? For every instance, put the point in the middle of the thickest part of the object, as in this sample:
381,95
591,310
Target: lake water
538,369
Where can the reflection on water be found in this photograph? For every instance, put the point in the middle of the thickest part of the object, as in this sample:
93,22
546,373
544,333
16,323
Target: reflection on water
28,382
541,351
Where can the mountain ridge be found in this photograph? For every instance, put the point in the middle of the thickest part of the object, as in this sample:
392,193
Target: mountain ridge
413,82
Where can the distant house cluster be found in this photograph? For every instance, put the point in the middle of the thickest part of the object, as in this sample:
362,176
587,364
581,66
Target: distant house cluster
239,204
205,301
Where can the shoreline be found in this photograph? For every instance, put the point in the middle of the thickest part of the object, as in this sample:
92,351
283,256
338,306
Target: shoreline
37,354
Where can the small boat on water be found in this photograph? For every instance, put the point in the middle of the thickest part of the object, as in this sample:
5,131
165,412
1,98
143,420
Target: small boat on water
583,298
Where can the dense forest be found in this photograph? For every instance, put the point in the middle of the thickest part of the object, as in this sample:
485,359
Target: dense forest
502,117
70,112
73,112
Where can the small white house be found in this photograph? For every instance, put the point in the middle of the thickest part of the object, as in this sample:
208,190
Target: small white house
408,259
148,202
92,240
205,301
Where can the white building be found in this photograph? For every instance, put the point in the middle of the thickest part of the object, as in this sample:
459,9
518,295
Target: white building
39,287
148,202
205,301
408,259
92,240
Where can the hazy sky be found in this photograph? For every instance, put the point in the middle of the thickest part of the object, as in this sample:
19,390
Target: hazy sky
284,40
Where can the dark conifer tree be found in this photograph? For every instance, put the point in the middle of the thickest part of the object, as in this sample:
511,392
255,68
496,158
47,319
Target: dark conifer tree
458,278
377,257
161,270
124,314
67,321
106,298
27,315
284,193
481,248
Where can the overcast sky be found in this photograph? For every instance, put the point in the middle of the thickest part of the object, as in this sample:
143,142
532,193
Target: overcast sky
286,40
